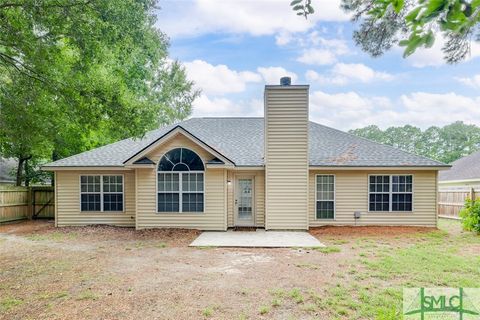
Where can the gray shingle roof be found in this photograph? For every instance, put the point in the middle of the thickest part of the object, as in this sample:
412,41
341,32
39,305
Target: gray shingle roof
241,140
463,169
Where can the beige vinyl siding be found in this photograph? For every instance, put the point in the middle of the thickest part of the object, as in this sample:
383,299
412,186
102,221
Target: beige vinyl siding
351,194
67,184
286,157
259,200
214,215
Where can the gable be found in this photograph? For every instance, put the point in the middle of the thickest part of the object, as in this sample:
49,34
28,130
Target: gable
178,141
177,138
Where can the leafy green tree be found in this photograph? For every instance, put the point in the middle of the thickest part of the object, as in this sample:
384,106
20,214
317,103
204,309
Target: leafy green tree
76,74
411,24
445,144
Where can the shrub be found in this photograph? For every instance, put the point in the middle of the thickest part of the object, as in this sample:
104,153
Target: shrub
470,215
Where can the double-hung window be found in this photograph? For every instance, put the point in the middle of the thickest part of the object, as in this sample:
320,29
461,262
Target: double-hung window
101,193
325,196
390,193
180,182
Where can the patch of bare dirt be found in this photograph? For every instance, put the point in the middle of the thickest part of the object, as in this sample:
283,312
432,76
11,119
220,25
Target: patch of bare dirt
120,273
173,237
367,231
27,227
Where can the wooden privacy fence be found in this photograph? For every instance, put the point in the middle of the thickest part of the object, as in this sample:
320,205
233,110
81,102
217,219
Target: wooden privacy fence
452,199
17,203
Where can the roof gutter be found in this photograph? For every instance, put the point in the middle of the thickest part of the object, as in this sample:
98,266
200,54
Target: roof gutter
94,168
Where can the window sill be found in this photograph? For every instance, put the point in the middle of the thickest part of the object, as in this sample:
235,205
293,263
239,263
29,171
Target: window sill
103,212
389,211
193,212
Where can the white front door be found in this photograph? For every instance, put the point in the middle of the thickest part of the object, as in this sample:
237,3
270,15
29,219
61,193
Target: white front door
244,199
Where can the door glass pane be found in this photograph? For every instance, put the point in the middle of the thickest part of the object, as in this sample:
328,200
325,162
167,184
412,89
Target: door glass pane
245,195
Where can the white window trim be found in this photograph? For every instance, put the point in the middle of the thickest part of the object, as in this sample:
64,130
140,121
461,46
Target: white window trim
334,197
180,192
390,201
101,191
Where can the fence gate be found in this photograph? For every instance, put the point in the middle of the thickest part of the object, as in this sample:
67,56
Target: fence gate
17,203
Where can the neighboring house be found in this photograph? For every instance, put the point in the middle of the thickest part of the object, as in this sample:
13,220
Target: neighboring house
465,172
277,172
462,181
7,167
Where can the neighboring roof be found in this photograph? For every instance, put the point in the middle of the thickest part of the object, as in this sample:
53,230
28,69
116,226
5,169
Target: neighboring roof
6,168
242,140
466,168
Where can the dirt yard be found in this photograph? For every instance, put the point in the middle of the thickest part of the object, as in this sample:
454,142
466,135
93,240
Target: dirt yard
116,273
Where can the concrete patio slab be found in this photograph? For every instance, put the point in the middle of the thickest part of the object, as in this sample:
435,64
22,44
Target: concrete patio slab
256,239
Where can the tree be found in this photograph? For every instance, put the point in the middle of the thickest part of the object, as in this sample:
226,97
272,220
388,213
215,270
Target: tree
411,24
76,74
445,144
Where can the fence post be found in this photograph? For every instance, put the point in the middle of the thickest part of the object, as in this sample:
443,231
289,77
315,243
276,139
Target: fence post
29,204
472,194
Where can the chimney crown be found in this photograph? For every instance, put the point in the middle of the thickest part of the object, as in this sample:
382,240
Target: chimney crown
285,81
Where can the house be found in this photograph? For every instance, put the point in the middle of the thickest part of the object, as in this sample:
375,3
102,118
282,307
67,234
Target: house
277,172
7,166
462,181
465,172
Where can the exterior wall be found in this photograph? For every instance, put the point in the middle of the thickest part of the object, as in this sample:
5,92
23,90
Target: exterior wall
67,184
259,200
351,194
214,216
286,157
473,183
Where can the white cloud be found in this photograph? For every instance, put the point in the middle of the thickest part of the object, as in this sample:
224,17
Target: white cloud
219,79
186,18
319,50
473,81
351,110
204,106
272,75
344,73
317,57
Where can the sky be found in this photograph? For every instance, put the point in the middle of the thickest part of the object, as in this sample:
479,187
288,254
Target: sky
232,48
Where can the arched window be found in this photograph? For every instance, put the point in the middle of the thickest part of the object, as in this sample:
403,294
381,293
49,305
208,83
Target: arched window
180,181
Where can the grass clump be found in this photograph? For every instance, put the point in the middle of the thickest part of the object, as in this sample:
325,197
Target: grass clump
207,312
87,295
296,295
276,302
327,250
9,303
264,310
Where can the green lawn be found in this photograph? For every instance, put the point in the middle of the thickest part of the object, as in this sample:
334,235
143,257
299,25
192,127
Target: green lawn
443,258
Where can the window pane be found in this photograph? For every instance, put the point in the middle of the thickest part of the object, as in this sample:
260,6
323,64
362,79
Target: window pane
192,202
402,202
168,182
379,202
113,184
379,184
113,202
200,181
192,160
325,187
325,209
168,202
90,183
90,202
180,159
